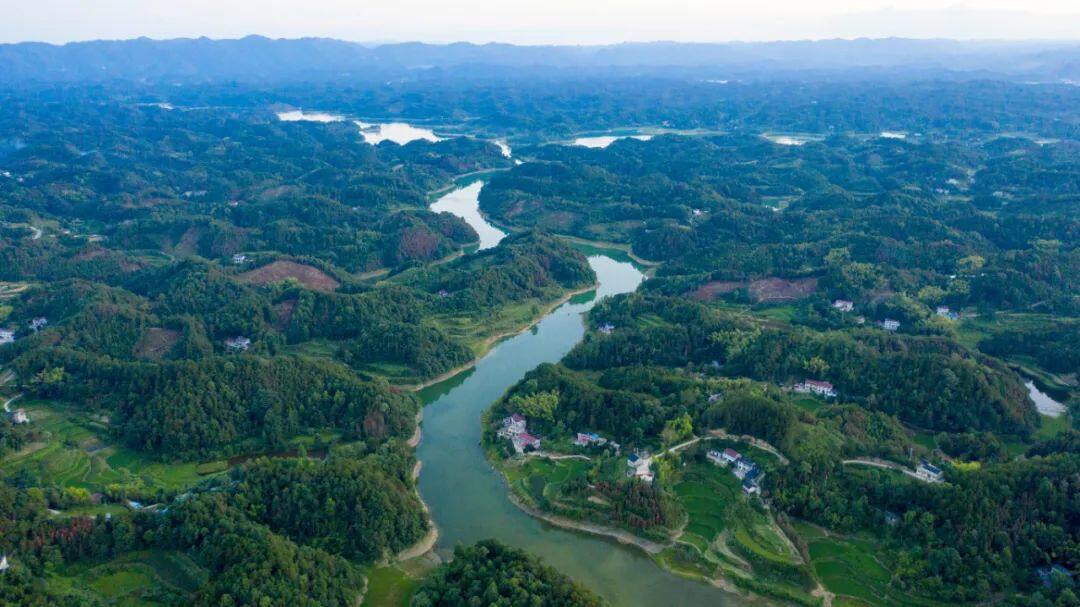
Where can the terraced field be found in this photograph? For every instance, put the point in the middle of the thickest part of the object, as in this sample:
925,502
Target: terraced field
136,580
72,451
852,569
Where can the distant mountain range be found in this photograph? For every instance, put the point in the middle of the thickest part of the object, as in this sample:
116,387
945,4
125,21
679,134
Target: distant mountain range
259,59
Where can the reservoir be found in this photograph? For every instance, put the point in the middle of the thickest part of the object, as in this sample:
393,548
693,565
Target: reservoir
467,497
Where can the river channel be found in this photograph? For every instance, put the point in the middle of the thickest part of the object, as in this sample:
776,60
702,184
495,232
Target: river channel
467,497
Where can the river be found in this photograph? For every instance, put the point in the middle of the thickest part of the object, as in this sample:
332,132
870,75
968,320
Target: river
467,497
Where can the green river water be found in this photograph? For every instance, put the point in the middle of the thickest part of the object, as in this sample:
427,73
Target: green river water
468,498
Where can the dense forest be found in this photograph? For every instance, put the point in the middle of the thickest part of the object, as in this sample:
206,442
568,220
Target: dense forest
489,573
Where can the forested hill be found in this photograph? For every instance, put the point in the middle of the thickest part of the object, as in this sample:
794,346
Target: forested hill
259,59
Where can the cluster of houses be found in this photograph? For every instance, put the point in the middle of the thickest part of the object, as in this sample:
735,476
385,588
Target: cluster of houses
744,468
7,336
813,386
514,428
237,344
640,466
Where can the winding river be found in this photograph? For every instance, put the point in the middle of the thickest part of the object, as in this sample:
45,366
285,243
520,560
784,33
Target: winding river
467,497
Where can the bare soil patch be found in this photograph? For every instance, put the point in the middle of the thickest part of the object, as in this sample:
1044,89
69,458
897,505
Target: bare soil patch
779,289
710,290
309,276
155,343
764,290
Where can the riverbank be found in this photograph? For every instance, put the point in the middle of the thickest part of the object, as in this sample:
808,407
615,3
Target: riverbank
427,543
623,537
489,342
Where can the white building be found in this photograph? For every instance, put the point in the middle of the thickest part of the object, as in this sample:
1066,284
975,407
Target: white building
38,323
890,325
238,344
929,472
6,337
19,416
239,259
640,465
606,328
843,305
514,424
813,386
4,566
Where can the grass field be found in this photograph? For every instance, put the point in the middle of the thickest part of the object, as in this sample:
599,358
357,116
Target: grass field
389,587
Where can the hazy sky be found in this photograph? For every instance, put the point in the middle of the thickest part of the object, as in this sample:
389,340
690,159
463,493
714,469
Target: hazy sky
538,21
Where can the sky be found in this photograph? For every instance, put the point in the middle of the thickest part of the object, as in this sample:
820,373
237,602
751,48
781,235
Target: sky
539,21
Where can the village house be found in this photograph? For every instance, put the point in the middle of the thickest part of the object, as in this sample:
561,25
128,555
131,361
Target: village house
715,396
890,325
929,472
238,344
743,466
606,328
640,465
891,518
813,386
6,337
239,259
523,440
38,323
750,483
697,212
584,440
19,416
843,305
4,566
514,424
945,312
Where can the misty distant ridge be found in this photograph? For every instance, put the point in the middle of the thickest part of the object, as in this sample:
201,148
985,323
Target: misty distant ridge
257,58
